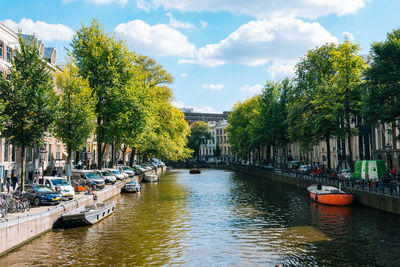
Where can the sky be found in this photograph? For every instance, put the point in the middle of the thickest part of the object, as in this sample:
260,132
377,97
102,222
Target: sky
218,51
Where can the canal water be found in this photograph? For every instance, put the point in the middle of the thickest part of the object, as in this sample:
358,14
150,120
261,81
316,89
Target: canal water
220,218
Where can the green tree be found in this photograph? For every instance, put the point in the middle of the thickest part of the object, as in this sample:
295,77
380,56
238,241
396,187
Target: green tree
241,122
348,70
272,123
29,100
381,103
217,151
199,134
312,109
76,117
106,63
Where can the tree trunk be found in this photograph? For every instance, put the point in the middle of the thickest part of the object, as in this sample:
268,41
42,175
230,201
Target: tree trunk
23,154
328,149
69,151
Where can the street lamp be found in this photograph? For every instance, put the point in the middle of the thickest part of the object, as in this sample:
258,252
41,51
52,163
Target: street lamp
42,153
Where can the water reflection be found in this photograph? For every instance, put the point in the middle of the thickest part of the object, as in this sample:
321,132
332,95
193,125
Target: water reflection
221,218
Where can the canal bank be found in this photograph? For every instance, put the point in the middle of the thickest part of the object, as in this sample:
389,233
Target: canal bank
370,199
18,231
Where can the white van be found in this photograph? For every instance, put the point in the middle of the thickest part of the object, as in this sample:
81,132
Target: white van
61,185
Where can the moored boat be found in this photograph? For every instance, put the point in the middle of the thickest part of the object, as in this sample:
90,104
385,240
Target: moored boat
88,215
330,195
131,187
194,171
150,178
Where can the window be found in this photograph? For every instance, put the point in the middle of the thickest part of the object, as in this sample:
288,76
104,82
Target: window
1,49
30,155
13,154
49,153
224,138
9,54
58,154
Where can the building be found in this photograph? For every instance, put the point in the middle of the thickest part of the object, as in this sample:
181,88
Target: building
219,138
50,156
191,116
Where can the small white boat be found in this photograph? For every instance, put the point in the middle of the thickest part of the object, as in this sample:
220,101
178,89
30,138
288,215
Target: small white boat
131,187
88,215
150,178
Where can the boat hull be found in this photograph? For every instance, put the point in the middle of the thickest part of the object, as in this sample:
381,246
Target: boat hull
87,216
331,196
194,171
150,178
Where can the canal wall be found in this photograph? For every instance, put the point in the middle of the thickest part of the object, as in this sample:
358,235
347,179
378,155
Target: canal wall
370,199
16,232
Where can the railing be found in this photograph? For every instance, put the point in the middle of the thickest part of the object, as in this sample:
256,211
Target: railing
379,187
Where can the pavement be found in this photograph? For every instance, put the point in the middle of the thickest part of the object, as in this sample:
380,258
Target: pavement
39,209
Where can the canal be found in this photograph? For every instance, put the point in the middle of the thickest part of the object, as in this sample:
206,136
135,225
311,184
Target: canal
221,218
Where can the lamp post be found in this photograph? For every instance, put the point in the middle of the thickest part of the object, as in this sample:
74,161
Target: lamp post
42,153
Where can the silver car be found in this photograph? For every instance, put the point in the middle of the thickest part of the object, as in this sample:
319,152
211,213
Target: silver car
107,176
118,174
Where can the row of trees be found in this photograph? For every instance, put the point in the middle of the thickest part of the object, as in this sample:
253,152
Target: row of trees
119,96
333,90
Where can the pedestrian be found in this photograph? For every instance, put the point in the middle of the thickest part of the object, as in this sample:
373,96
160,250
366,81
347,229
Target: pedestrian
8,181
14,181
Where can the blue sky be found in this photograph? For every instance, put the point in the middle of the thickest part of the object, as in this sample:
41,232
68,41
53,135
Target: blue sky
219,51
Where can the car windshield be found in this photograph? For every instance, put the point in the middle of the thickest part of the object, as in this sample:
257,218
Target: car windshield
126,168
115,172
58,182
106,173
44,189
92,175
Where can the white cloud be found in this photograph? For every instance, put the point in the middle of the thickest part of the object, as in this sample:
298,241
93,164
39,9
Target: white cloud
279,70
173,23
348,36
214,87
43,30
261,8
205,109
254,89
203,24
157,40
277,41
183,75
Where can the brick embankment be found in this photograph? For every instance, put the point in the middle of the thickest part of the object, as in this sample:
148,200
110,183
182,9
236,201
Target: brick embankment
370,199
23,227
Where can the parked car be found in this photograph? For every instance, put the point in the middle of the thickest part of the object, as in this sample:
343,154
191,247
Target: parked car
138,169
126,169
89,177
107,176
344,174
118,174
304,168
41,194
293,165
60,185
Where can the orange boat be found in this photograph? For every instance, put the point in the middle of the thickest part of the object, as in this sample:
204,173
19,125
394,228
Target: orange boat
330,195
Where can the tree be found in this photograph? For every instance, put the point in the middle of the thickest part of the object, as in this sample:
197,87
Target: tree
381,103
199,134
348,71
217,151
241,122
28,98
106,63
272,123
76,110
312,110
